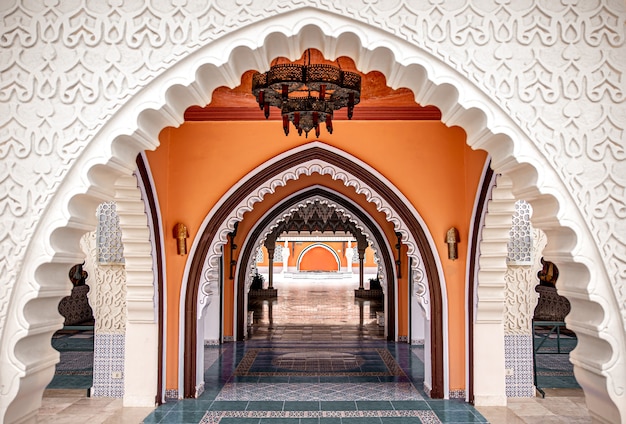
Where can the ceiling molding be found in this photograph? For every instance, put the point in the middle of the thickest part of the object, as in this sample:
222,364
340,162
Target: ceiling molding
381,113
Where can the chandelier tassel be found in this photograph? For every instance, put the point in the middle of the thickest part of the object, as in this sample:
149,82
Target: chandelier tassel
261,99
350,105
329,124
286,124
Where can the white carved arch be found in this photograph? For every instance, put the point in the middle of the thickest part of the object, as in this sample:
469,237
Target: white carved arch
420,280
321,246
355,220
135,127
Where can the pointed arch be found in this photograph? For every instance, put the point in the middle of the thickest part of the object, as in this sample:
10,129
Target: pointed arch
304,160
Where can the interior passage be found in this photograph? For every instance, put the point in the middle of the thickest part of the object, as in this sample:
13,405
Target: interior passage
316,309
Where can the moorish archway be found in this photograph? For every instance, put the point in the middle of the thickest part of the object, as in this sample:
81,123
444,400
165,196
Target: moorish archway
323,159
373,234
408,59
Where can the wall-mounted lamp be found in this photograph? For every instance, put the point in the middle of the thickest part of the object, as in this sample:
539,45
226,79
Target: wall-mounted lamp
452,239
180,234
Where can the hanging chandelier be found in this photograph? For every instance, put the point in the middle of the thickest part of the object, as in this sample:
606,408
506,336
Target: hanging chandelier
306,94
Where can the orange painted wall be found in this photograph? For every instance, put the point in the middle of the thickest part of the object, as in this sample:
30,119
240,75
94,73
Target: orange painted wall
428,162
338,246
318,259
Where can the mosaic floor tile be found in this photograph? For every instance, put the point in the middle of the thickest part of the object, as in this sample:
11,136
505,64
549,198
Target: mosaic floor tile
425,417
318,391
75,363
273,362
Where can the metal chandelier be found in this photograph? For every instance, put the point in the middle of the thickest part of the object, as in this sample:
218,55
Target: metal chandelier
306,94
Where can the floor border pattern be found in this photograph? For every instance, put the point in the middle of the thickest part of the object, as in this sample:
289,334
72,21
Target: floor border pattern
425,417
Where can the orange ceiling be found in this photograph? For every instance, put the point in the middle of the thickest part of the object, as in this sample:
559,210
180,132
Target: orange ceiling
378,101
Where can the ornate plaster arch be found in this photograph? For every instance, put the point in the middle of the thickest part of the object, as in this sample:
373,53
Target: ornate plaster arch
355,220
321,246
313,164
473,91
202,271
386,271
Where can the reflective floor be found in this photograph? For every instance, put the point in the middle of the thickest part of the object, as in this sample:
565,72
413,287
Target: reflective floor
296,368
315,382
315,310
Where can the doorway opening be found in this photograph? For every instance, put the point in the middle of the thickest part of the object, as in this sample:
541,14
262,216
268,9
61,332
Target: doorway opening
320,308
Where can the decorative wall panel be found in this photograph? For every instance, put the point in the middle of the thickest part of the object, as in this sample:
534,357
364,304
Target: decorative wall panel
521,241
521,298
109,235
518,351
520,302
108,300
108,365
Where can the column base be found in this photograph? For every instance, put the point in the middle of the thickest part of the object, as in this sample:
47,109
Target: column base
263,293
368,294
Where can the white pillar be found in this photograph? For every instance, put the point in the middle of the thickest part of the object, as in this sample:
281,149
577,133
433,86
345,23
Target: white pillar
349,255
141,364
285,253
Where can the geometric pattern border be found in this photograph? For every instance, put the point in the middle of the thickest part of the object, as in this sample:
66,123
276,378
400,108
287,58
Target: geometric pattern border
425,417
243,369
294,392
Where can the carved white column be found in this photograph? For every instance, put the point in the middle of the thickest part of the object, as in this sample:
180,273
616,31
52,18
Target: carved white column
349,256
285,254
107,296
141,359
489,364
519,306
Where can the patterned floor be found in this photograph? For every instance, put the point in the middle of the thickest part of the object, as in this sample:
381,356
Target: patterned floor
364,382
293,372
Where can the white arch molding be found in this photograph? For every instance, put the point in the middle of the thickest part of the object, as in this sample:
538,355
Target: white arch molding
211,265
321,246
595,315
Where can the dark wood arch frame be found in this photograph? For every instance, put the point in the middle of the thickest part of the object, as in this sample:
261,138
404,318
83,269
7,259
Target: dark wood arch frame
278,210
248,187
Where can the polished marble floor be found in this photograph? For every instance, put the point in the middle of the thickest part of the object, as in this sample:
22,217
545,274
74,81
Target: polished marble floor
294,369
326,302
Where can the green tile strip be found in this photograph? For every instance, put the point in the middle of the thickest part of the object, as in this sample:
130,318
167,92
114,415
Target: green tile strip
425,417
